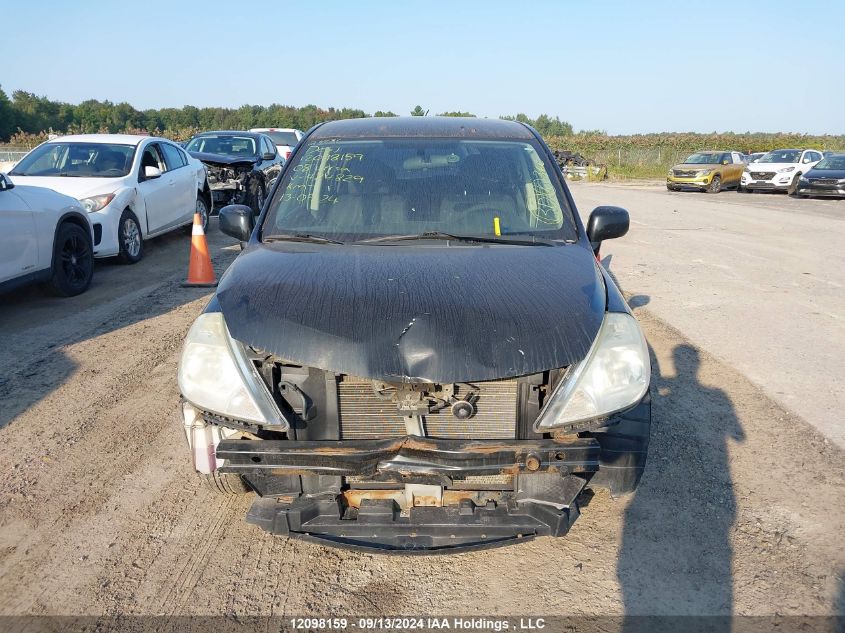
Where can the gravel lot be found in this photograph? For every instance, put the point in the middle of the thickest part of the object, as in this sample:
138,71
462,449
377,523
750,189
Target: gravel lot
741,509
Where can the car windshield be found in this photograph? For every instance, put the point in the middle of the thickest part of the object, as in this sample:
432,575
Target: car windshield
223,144
706,158
78,160
359,189
831,162
283,138
781,156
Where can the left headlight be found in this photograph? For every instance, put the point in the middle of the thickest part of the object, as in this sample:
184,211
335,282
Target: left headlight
96,203
216,376
785,169
613,377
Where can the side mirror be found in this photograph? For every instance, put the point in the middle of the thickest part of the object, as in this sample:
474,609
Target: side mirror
606,223
268,156
725,162
5,183
151,172
237,220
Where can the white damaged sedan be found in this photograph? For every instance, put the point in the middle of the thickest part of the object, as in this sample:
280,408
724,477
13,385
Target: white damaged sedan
133,187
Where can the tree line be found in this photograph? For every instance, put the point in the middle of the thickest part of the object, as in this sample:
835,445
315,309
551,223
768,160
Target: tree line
26,114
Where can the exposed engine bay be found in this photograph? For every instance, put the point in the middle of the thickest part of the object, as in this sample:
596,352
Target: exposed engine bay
232,184
234,180
325,405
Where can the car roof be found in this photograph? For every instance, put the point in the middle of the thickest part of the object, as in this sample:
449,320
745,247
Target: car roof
231,132
450,127
275,129
120,139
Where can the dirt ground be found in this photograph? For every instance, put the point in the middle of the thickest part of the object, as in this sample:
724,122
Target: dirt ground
741,509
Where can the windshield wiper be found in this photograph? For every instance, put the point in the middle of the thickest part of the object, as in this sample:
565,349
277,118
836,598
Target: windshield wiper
439,235
298,237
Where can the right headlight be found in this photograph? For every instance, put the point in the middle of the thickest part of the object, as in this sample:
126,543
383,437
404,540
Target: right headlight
613,377
216,376
96,203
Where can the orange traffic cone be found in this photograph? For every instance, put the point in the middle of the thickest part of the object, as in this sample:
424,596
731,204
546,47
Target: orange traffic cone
200,271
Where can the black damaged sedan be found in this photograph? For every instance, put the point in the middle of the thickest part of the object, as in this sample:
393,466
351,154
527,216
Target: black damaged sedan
825,179
417,350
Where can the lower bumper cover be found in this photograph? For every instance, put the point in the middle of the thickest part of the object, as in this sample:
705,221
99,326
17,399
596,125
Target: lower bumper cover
821,191
687,184
545,504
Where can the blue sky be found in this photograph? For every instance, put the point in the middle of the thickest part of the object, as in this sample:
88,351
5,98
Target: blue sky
625,67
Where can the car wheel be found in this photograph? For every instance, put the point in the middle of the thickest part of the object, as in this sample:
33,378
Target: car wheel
256,196
225,483
715,185
793,186
129,238
202,209
73,261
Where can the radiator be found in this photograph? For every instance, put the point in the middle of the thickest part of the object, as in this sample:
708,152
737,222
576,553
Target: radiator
364,416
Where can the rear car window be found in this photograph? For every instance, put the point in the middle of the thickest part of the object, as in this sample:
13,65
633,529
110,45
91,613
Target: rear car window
283,138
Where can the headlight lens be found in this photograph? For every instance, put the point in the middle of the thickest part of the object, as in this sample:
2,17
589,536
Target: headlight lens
702,172
96,203
785,169
214,375
614,376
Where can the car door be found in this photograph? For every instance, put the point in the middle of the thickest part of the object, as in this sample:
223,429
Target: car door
809,160
270,167
18,238
159,193
184,183
736,167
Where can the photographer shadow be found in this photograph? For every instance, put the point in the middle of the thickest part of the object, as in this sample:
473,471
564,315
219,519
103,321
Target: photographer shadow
676,556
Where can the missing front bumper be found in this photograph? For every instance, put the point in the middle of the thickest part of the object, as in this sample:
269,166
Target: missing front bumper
446,517
349,493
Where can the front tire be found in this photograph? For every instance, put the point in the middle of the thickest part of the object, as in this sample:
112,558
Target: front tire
225,484
793,186
130,240
257,194
715,185
202,209
73,261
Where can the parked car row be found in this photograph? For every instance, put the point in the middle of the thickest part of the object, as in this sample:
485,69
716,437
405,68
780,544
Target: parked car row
802,172
80,197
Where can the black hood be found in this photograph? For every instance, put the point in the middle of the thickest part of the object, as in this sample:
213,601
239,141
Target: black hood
417,314
221,160
825,173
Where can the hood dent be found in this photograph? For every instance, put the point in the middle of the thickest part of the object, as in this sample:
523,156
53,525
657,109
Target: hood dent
417,314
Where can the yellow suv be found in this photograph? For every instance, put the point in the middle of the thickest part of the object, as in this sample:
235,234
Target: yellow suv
707,171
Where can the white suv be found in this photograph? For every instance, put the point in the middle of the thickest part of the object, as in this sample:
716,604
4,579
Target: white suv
285,138
44,237
779,169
